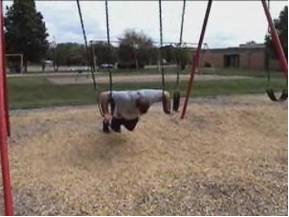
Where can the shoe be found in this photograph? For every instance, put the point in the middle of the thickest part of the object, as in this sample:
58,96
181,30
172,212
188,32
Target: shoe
117,130
105,127
115,125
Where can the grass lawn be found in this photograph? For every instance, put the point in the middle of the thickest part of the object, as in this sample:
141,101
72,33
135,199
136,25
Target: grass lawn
35,92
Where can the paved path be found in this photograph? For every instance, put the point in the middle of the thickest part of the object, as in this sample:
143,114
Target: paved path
60,80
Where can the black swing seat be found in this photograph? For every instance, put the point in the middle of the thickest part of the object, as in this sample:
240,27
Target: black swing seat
271,94
176,101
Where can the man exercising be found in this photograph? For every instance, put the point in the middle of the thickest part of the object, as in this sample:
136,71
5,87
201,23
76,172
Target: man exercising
128,106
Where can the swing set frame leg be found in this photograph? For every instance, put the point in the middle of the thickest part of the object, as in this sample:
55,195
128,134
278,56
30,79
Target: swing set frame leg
4,124
195,63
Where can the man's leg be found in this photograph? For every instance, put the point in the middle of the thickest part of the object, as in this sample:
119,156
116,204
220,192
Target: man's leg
115,124
105,126
130,124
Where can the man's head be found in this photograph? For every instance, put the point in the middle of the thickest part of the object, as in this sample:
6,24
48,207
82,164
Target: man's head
142,104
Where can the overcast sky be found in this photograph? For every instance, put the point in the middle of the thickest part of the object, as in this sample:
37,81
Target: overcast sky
230,22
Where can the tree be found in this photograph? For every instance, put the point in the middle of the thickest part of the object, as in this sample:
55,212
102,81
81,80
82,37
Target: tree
25,31
67,54
104,54
281,25
183,55
169,53
134,49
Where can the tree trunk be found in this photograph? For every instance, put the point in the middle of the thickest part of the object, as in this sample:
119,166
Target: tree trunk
25,66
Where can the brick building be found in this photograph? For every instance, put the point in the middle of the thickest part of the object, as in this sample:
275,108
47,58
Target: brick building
247,56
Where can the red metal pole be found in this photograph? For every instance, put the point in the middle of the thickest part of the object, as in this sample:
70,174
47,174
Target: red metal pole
276,41
7,188
5,77
196,58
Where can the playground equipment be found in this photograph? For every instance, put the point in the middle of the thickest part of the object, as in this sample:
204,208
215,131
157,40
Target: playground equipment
269,90
86,44
196,57
4,123
91,55
177,94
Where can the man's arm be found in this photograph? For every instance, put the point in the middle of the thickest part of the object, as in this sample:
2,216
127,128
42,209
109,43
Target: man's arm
104,98
158,96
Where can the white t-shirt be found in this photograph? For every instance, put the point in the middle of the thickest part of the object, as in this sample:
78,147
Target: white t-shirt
125,101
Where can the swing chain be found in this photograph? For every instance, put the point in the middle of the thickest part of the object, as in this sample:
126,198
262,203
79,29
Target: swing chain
86,44
180,43
108,43
161,47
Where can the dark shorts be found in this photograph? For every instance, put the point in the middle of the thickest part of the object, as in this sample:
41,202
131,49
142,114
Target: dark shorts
116,123
128,124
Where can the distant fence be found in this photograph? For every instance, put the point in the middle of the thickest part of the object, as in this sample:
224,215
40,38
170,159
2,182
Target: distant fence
39,69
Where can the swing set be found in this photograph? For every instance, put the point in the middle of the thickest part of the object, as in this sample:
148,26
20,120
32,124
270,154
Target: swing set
269,90
4,111
276,42
90,58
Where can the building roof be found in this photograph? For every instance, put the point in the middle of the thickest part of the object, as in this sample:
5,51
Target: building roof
242,48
